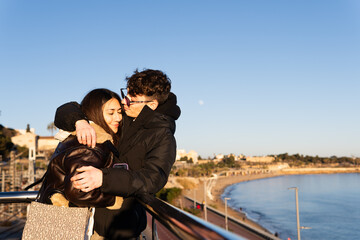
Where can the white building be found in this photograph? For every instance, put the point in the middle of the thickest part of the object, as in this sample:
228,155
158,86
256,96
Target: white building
31,140
181,153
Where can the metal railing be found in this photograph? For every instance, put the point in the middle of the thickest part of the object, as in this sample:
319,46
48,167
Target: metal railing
180,223
18,197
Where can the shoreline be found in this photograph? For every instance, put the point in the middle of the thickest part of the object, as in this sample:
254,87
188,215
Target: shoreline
223,182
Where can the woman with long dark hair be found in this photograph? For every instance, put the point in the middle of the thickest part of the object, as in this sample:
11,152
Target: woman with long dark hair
103,111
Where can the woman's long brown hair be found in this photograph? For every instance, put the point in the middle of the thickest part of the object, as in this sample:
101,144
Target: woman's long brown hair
92,107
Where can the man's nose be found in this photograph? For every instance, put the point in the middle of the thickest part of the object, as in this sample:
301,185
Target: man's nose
123,101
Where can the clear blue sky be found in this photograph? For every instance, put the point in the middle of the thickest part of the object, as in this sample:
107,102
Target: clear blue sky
252,77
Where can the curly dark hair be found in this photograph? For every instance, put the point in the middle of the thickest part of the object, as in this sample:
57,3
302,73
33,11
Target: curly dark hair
151,83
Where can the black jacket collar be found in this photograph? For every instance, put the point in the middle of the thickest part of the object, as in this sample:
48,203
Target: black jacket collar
164,116
170,107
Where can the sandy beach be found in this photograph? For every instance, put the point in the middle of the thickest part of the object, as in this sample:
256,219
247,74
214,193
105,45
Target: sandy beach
194,186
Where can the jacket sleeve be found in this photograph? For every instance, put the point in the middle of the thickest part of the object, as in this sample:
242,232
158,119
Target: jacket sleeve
151,178
76,159
67,114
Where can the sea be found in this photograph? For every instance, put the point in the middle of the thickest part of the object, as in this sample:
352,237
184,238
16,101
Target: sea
329,205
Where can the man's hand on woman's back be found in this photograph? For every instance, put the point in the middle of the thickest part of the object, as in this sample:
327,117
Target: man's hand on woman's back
85,133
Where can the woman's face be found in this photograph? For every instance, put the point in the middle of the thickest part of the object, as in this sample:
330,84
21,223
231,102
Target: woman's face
112,114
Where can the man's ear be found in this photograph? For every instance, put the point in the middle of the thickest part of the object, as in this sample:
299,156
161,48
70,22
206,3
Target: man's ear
153,104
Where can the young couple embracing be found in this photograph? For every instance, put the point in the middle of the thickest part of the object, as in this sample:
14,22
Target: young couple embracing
115,150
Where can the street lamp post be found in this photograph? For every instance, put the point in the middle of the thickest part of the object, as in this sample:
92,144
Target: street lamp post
205,210
297,211
206,190
226,214
194,198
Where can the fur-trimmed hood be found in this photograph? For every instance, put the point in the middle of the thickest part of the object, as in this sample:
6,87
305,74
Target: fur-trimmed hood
101,135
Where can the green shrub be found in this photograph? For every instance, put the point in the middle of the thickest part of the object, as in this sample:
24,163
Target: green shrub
169,194
193,211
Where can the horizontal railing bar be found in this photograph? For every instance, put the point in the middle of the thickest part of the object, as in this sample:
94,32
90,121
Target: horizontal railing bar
18,197
182,224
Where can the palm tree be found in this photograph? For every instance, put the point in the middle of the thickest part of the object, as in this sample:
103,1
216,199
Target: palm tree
51,127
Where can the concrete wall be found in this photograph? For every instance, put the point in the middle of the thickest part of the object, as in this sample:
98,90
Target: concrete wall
47,143
28,140
260,159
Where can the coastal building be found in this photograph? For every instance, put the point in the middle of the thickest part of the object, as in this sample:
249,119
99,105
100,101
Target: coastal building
236,158
219,156
182,154
25,139
46,144
28,139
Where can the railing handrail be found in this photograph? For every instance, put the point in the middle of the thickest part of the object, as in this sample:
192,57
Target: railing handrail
182,224
18,197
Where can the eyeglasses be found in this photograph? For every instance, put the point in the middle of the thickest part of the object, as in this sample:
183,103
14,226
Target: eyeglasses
127,100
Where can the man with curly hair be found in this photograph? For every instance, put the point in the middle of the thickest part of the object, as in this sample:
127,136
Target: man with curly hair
147,152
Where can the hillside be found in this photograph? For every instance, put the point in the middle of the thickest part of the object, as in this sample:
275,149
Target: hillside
7,132
5,141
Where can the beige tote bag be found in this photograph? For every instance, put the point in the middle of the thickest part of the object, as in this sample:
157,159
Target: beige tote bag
45,221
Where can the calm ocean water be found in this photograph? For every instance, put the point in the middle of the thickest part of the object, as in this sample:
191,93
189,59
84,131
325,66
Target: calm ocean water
329,204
